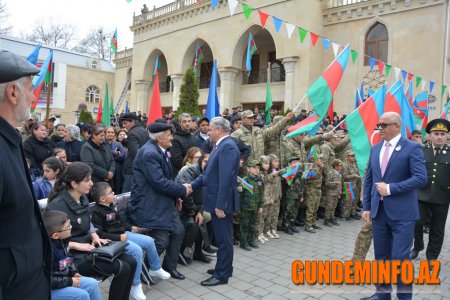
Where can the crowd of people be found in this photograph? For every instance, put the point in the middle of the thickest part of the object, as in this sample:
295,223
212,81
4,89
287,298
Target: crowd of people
197,186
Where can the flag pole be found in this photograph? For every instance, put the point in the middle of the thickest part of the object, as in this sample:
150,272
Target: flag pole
297,106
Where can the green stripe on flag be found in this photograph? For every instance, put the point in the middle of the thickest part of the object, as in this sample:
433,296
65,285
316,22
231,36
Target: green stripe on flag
320,96
359,140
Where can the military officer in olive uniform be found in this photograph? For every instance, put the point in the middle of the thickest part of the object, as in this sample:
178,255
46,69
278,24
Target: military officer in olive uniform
434,199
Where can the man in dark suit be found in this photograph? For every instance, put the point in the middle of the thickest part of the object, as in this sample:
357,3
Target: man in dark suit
25,251
434,199
220,196
394,173
155,196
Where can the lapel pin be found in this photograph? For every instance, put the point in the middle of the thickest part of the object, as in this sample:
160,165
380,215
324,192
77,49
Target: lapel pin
398,148
79,220
445,152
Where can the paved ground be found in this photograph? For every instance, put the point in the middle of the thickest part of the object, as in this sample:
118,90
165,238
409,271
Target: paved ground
265,273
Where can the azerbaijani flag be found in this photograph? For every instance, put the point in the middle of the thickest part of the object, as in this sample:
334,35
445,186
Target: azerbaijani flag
100,112
251,49
155,68
348,191
406,113
291,173
306,169
420,104
114,42
445,112
361,125
313,153
155,110
306,125
245,184
44,76
358,99
409,93
198,58
321,92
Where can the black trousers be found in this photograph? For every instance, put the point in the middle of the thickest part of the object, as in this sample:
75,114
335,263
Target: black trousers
438,213
123,279
170,241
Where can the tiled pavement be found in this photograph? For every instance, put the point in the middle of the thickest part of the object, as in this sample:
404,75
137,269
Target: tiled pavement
265,273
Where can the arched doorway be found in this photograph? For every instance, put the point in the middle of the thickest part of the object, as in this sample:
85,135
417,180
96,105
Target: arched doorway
199,56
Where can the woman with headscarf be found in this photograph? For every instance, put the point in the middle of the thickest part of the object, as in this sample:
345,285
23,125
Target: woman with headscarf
38,147
71,143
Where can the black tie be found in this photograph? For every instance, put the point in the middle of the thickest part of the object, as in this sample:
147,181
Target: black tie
438,150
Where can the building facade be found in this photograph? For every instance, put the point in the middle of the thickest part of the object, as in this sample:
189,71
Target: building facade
411,35
76,79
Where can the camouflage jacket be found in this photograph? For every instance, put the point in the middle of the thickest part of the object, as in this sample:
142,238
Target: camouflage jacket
256,137
272,188
295,190
351,173
342,148
255,200
334,189
329,155
293,148
315,180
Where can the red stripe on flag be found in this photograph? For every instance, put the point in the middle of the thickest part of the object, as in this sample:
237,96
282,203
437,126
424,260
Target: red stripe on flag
332,76
305,122
392,104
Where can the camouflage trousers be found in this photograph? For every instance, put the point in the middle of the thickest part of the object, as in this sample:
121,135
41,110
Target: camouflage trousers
363,241
330,207
348,207
260,220
323,197
312,199
273,210
248,226
291,211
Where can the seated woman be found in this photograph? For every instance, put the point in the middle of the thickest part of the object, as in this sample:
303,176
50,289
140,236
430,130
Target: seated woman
53,168
111,226
191,214
69,196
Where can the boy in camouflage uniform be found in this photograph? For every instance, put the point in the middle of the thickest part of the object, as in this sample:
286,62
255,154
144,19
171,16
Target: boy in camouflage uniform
264,160
294,195
251,205
313,192
334,191
350,174
273,186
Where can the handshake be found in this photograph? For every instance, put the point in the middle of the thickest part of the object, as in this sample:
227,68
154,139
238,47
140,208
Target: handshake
188,189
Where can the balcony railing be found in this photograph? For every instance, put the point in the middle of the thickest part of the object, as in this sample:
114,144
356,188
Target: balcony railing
164,87
260,76
124,53
203,82
338,3
157,12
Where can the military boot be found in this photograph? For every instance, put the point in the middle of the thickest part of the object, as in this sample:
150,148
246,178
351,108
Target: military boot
327,222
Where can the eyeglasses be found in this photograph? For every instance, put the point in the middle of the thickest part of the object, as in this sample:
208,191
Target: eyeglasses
384,125
62,230
197,157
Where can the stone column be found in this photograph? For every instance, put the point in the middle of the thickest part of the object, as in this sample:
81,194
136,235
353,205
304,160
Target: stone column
227,86
142,96
289,67
177,80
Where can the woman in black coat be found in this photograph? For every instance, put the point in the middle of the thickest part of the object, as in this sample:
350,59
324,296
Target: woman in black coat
71,143
69,196
38,147
96,153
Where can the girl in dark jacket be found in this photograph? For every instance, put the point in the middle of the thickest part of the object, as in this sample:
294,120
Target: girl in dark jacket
69,196
66,282
96,153
38,147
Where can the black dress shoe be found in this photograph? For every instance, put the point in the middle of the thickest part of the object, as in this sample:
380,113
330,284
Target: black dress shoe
245,247
253,245
414,253
177,275
288,230
373,297
212,282
202,258
294,229
211,271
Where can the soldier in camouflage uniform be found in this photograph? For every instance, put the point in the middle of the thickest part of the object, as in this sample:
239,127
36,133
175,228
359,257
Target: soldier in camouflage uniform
294,195
273,186
254,136
251,205
341,153
299,146
334,192
350,174
312,194
264,161
274,145
363,241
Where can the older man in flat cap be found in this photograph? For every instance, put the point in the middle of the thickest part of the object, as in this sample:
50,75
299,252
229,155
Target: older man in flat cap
25,252
155,196
434,198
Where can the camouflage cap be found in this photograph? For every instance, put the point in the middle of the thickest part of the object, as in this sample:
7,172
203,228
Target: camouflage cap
293,158
340,133
329,136
337,162
253,163
247,114
329,128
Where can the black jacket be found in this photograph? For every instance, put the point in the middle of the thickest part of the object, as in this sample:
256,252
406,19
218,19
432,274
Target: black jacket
73,149
193,203
99,158
25,251
136,138
181,143
37,151
63,267
108,222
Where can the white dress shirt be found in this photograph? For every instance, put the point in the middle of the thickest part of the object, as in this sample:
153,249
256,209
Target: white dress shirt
393,142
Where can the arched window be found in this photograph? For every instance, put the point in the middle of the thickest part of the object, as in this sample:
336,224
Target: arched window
92,94
94,64
376,44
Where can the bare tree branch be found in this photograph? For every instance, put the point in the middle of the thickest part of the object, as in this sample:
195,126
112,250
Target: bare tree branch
96,43
54,35
4,27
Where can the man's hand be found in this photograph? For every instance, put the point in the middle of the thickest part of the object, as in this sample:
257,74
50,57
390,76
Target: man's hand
76,281
188,188
382,189
220,213
290,115
123,237
199,218
325,135
260,210
110,176
366,216
179,204
134,229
